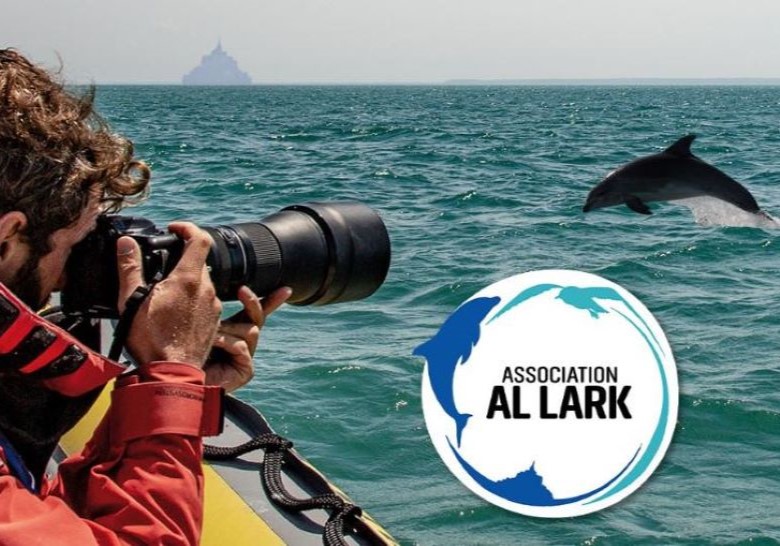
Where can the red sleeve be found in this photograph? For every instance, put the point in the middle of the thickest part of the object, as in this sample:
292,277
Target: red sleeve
138,481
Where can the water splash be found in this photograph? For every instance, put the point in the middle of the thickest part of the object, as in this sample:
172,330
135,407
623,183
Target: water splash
710,211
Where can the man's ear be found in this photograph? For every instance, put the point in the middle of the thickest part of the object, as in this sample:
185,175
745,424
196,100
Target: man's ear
12,225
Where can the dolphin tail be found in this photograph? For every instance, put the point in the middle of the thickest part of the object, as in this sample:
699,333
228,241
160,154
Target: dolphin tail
460,422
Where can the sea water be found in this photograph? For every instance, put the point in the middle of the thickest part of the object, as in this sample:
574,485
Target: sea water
477,184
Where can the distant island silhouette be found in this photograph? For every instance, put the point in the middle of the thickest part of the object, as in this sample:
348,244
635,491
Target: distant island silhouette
217,68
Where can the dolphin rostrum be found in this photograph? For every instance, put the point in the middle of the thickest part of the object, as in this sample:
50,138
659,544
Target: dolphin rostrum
671,175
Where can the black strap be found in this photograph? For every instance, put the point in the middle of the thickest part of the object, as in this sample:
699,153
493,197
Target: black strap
122,329
276,448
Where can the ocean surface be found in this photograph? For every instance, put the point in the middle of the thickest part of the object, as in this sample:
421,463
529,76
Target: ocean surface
476,184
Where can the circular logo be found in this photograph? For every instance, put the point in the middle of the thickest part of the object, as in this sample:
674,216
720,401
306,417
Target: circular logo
550,393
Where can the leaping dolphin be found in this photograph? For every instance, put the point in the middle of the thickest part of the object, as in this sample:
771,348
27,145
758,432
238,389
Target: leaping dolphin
671,175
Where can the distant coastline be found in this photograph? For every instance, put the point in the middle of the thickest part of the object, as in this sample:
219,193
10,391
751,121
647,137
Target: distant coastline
620,81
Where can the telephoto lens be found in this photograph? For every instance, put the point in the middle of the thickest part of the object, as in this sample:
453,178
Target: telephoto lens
327,252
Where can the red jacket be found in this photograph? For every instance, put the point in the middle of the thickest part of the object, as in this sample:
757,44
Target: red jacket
138,481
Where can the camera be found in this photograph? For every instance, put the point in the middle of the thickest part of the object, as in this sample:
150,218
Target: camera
327,252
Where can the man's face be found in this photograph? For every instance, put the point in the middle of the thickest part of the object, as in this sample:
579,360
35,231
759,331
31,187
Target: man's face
37,278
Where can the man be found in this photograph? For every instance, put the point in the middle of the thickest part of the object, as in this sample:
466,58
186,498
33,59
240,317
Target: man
139,480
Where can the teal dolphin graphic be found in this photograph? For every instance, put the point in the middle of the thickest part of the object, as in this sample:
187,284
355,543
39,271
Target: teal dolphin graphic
580,298
585,298
451,345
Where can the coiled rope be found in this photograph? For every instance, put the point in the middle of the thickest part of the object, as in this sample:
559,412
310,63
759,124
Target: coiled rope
276,450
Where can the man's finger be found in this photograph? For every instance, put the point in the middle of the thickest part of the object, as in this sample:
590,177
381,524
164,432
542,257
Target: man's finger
275,299
247,331
255,310
234,345
197,244
252,311
129,264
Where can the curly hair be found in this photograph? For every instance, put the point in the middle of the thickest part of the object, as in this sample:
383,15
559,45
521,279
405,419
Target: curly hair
55,151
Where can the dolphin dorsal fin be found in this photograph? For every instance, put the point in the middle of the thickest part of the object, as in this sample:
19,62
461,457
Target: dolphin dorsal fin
681,148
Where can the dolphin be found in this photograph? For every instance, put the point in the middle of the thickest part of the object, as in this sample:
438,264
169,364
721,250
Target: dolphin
451,345
671,175
585,298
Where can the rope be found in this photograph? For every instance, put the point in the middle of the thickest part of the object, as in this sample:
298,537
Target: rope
261,441
276,448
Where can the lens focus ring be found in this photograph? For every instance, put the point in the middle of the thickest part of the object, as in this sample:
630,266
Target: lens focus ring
266,253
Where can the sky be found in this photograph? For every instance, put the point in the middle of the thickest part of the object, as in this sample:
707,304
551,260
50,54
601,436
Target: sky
399,41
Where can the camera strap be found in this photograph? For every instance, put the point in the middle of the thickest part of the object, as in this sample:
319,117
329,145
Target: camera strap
122,329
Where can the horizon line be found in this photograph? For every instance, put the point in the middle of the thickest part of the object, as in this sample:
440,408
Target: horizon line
645,81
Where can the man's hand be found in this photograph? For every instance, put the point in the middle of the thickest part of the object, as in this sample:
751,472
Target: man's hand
232,365
179,319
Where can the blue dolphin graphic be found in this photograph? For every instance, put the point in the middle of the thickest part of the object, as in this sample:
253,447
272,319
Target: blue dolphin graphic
452,344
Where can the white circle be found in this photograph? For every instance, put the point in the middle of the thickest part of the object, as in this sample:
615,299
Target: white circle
615,396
